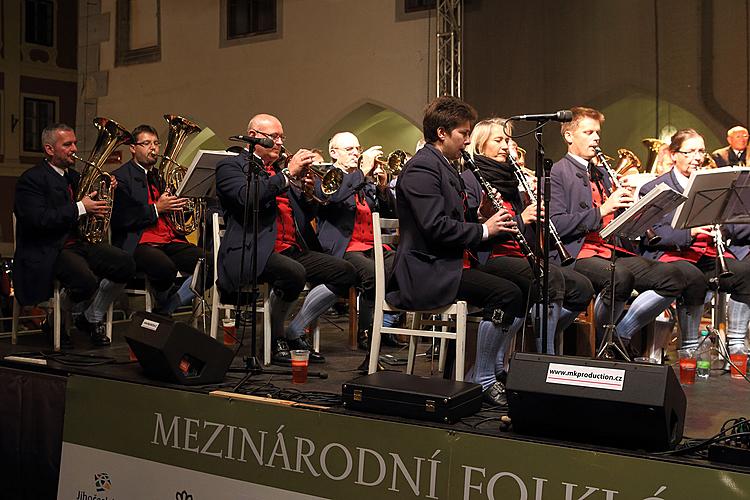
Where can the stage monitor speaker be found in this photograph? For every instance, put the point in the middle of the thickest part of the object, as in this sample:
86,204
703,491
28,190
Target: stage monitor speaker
175,352
608,403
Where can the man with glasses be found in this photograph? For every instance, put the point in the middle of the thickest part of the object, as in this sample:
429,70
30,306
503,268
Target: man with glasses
345,223
141,226
582,203
736,152
288,251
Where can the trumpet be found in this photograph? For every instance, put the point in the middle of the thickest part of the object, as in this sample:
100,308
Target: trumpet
330,176
392,165
565,257
651,237
497,201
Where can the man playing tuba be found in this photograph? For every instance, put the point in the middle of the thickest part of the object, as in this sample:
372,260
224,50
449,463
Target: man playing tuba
48,246
141,227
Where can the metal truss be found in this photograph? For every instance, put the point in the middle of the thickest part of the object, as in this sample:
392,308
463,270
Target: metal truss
449,35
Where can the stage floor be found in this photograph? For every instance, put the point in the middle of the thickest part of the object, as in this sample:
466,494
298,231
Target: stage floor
710,402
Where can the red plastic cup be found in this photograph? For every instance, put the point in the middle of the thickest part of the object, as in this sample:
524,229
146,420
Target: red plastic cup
688,364
132,355
230,332
739,360
300,359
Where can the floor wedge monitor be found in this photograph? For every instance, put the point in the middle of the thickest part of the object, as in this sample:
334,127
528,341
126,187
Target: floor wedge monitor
608,403
175,352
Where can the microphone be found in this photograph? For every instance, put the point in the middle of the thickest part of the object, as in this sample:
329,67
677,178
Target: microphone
564,115
255,141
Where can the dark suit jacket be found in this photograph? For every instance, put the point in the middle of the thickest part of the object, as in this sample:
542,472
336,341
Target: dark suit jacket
336,219
474,199
725,157
433,233
680,239
231,190
131,212
571,205
45,216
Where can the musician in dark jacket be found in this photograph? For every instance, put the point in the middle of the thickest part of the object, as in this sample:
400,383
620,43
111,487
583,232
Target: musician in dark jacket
582,203
141,225
432,266
694,250
345,222
286,242
570,292
49,246
736,152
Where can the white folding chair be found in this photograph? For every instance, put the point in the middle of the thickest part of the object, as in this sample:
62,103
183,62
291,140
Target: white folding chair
458,309
265,309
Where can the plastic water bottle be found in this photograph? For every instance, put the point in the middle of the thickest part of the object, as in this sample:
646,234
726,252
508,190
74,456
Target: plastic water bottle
703,356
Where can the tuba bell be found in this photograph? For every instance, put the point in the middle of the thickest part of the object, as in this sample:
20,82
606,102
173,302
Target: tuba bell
185,220
654,147
111,136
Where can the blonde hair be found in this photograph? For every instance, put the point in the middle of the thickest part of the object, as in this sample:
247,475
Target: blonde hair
482,131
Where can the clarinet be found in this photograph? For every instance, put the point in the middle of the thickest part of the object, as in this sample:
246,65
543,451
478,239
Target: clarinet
565,257
651,237
497,202
723,271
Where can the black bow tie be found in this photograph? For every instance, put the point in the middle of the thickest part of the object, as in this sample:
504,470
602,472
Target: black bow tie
152,176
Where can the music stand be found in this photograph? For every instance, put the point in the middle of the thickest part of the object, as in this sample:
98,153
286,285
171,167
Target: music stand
632,223
198,183
716,196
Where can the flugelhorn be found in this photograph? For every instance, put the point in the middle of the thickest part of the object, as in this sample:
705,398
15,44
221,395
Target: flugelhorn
392,165
111,136
651,237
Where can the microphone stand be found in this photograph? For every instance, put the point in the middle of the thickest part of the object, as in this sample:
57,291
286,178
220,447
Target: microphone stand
542,170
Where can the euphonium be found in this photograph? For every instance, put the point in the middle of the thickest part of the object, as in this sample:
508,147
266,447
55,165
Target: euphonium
627,161
111,136
653,146
185,220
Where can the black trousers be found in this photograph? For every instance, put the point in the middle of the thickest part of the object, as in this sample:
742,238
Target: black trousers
80,267
364,265
482,289
631,272
161,263
565,284
288,271
698,276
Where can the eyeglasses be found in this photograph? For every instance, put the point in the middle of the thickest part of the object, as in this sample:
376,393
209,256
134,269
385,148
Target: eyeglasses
351,149
697,152
274,137
147,144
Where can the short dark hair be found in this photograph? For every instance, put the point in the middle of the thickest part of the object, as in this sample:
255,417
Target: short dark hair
579,113
143,129
445,112
681,136
48,134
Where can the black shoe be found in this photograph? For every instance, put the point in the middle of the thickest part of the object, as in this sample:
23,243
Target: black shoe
280,353
433,353
363,340
364,366
47,328
389,340
97,331
495,395
302,343
631,350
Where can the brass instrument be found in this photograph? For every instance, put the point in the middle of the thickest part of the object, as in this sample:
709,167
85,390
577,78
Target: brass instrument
708,162
565,257
651,237
497,201
111,136
330,176
392,165
627,161
185,220
654,147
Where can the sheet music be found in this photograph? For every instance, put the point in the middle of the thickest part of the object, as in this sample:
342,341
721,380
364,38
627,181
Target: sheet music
715,196
644,213
198,181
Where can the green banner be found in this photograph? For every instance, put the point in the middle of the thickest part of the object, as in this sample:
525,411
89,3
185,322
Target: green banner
338,456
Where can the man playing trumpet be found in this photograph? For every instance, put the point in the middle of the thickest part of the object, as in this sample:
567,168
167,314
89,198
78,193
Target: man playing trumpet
345,223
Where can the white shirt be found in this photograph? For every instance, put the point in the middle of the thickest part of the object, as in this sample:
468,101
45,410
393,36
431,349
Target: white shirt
147,186
681,179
